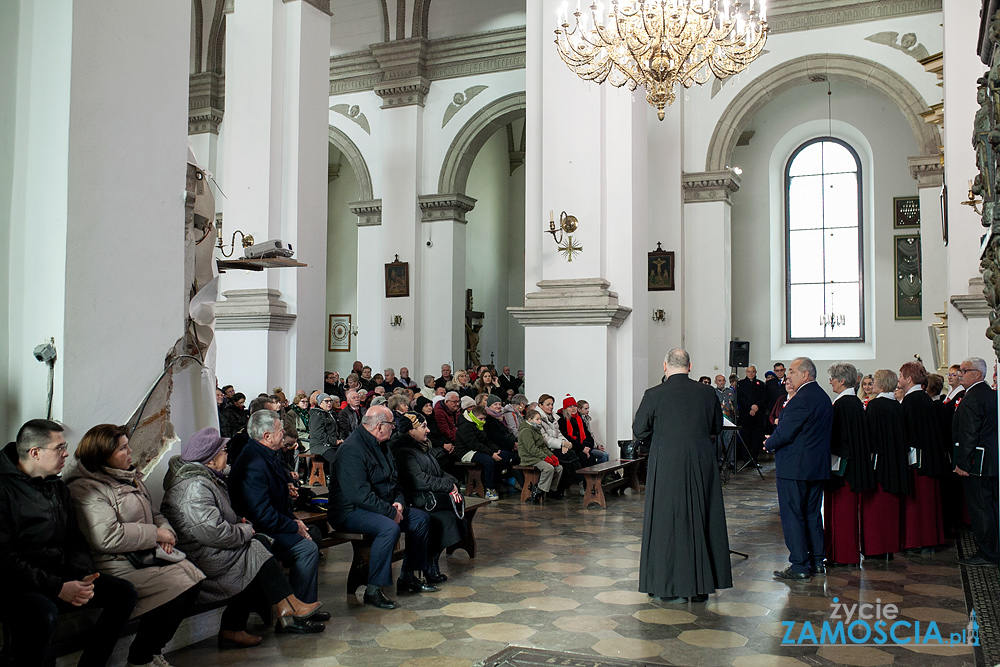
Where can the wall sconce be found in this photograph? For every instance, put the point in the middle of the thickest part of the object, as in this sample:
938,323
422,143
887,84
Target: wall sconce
974,190
659,315
567,224
396,321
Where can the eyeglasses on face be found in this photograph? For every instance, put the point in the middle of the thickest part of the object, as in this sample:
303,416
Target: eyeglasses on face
61,449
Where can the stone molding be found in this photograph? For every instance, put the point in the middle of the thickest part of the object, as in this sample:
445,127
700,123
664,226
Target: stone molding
252,310
974,303
350,150
482,125
452,206
928,170
403,64
798,71
445,58
708,186
206,102
571,302
322,5
369,212
790,16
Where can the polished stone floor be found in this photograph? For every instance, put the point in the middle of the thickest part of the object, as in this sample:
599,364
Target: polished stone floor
561,578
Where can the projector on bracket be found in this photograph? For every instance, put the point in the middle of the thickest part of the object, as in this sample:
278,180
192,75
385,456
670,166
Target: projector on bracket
267,250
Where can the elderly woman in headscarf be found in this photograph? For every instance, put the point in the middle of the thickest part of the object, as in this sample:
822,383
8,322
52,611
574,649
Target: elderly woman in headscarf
426,486
237,563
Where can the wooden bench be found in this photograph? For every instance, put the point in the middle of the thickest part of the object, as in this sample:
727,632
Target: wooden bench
468,543
473,478
531,476
594,479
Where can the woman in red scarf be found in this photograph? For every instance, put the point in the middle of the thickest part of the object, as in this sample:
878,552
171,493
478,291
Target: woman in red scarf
573,429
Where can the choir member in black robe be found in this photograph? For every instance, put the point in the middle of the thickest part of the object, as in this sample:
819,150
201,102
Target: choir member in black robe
923,518
685,546
853,474
880,507
952,496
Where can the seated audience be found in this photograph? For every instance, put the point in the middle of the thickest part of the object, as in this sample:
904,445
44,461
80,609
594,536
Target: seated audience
487,384
258,488
445,376
426,486
572,427
513,414
562,447
233,417
472,444
296,419
333,385
391,382
429,388
446,413
507,381
399,405
463,386
495,429
46,560
534,452
240,438
323,428
236,563
404,377
353,382
583,407
378,382
119,521
365,498
366,379
350,414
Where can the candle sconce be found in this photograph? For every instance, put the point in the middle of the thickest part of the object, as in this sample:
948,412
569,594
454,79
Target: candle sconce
974,190
567,225
659,315
396,321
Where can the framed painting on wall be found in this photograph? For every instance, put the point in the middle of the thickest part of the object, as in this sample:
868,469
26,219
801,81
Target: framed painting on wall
339,335
908,286
397,278
905,212
660,270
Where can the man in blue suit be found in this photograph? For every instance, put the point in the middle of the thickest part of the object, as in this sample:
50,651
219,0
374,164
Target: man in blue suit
801,447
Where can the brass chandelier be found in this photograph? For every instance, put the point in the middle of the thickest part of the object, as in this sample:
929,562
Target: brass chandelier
661,43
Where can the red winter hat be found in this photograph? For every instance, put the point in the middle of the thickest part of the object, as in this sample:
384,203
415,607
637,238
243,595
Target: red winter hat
568,401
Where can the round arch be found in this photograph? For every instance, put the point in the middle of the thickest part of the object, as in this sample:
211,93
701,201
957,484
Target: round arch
350,150
800,71
464,148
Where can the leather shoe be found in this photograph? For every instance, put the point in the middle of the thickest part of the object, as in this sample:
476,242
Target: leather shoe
700,598
298,626
413,585
976,560
238,639
672,600
788,574
320,616
817,569
379,600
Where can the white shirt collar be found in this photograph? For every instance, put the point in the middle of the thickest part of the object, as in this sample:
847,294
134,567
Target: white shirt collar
887,394
847,392
955,390
974,384
912,389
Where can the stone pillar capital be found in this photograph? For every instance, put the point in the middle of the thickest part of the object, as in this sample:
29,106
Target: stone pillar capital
928,170
206,102
571,302
445,207
252,309
369,212
403,65
708,186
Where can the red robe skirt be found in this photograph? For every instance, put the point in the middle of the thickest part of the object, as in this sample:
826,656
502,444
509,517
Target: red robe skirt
923,521
880,529
842,525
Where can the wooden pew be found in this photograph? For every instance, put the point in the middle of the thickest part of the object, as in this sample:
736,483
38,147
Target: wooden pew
594,480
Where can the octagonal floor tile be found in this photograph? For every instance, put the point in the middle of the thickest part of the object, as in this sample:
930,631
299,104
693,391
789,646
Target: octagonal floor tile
936,590
740,609
550,603
619,563
588,581
759,660
665,616
935,614
520,586
630,649
409,640
494,572
585,623
451,592
501,632
712,638
860,656
565,541
533,555
560,567
870,596
623,597
387,616
471,609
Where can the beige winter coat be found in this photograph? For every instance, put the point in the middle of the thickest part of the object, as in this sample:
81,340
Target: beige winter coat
116,518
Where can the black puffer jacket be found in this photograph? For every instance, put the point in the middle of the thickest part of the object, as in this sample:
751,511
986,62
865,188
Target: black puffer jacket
472,439
40,541
419,472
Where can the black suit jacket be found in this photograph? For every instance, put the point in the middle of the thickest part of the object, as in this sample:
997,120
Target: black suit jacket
801,440
748,393
775,391
975,425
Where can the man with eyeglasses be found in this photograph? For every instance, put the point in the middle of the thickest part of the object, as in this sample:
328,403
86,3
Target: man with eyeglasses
44,557
974,431
365,497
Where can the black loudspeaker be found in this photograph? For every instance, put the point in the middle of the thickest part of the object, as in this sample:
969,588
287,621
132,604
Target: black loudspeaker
739,353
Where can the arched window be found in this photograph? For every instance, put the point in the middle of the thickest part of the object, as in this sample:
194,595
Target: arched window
824,294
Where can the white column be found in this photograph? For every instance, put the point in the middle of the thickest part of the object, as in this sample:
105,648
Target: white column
707,266
275,155
961,69
442,282
370,289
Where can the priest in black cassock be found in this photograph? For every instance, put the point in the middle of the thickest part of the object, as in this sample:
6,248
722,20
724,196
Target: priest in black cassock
685,545
851,467
751,404
881,506
923,518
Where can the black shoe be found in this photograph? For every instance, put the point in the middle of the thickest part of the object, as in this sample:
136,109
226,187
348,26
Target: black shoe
298,626
433,573
379,600
673,600
536,494
817,569
413,585
791,576
976,560
321,616
700,598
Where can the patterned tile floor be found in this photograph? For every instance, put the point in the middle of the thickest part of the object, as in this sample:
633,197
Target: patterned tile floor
561,578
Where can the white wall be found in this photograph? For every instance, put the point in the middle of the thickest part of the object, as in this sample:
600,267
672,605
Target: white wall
342,263
9,22
461,17
355,25
873,125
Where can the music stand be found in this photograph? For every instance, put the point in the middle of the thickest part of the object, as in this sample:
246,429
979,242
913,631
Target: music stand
730,426
724,465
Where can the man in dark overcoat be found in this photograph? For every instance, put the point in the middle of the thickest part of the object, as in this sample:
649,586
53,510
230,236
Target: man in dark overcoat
685,546
801,447
751,404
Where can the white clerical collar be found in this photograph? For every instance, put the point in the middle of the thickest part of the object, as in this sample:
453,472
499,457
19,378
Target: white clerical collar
955,390
887,394
847,392
912,389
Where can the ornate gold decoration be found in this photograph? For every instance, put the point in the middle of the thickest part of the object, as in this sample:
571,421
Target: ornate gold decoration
569,247
659,44
567,224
